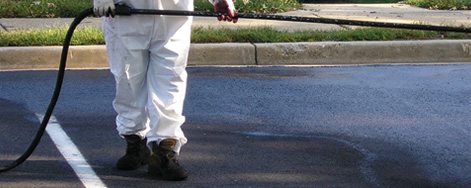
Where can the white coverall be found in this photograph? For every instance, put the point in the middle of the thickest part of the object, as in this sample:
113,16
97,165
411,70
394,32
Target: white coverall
148,56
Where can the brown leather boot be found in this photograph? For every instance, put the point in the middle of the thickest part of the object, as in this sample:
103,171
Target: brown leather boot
163,161
137,153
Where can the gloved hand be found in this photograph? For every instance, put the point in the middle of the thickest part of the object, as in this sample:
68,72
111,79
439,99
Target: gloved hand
103,8
226,8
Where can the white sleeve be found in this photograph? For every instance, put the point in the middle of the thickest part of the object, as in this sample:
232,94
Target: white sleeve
211,1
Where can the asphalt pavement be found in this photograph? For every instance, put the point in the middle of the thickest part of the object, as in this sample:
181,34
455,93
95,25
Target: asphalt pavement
348,126
265,126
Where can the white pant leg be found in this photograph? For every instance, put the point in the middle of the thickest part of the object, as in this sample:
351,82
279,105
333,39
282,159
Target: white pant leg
167,76
127,41
148,57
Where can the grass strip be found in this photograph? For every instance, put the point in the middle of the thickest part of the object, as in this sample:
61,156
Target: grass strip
70,8
441,4
42,8
51,37
350,1
254,6
94,36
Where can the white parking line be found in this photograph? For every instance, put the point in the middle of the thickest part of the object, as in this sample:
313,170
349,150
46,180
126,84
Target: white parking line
72,154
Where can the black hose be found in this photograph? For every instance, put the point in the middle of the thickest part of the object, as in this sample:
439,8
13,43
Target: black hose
125,10
55,96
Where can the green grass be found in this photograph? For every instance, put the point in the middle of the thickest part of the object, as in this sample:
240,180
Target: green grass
49,37
259,6
441,4
374,1
70,8
267,35
350,1
91,36
42,8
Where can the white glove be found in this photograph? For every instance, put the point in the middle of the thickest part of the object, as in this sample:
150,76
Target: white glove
103,8
226,8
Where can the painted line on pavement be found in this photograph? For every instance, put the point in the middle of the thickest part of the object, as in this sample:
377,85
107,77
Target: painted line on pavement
71,154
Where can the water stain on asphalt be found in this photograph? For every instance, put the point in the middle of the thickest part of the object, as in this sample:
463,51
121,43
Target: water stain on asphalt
248,158
392,167
254,73
268,73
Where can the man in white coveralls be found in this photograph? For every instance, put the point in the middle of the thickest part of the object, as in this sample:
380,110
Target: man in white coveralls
148,56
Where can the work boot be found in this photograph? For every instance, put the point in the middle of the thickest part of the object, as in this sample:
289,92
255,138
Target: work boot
137,153
163,161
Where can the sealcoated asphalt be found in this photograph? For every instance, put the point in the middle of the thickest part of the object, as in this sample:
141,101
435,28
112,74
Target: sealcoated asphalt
273,126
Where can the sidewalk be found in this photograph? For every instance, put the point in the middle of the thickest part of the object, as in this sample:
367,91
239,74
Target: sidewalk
291,53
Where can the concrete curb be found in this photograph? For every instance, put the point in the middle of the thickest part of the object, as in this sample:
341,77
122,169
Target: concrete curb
222,54
305,53
49,57
375,52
